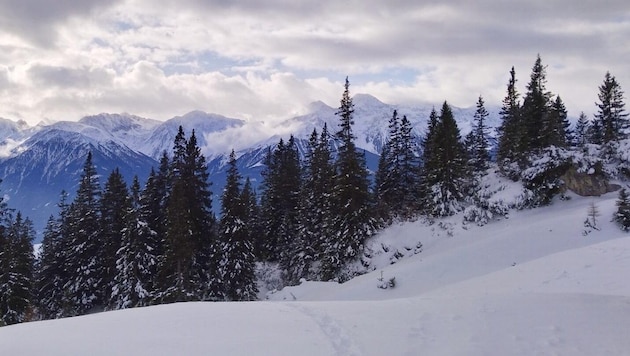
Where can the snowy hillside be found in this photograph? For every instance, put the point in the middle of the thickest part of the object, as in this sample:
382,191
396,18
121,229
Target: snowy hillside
535,283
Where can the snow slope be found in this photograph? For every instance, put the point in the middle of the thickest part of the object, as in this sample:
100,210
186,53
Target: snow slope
532,284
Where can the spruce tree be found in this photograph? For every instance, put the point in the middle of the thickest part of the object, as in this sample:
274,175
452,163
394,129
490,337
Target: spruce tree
252,214
114,206
389,172
512,133
237,263
536,108
187,268
315,209
81,239
581,137
16,270
611,115
49,272
557,132
354,222
279,201
622,215
409,170
136,261
444,172
480,156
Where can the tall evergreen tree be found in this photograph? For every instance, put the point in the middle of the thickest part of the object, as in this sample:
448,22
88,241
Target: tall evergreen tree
557,132
445,170
50,274
354,222
81,239
479,150
396,183
16,270
512,132
186,269
536,108
136,261
581,136
611,115
622,215
237,260
279,201
315,209
389,172
114,206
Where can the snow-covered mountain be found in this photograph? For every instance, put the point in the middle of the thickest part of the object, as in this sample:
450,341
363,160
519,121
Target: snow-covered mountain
532,284
37,163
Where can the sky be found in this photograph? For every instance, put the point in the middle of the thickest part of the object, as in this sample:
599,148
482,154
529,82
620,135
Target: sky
267,60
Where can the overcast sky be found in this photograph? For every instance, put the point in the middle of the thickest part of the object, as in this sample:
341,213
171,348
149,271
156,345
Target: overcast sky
265,60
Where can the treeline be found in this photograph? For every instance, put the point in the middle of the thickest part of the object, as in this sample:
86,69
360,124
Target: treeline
116,247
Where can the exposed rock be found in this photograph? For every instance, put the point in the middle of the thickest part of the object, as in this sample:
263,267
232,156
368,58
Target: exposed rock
587,185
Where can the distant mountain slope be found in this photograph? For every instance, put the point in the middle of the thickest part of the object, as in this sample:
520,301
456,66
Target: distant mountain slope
37,163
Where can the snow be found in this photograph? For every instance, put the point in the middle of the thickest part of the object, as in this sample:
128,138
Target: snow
530,284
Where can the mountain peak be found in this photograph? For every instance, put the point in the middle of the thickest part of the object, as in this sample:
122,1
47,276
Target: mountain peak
366,100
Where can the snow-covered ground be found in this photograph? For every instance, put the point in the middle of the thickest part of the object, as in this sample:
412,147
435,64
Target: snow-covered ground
532,284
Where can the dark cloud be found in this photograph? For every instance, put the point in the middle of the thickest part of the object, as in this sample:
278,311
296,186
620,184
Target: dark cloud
62,77
35,20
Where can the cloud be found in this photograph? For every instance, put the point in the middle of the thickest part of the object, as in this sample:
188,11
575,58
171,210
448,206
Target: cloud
35,20
265,60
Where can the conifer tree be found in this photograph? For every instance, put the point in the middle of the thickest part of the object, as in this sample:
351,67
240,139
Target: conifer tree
114,206
136,261
581,137
445,170
186,268
50,274
622,215
153,202
83,289
409,170
315,209
611,116
512,134
396,182
536,107
252,214
279,201
479,150
237,255
354,222
16,270
389,172
557,132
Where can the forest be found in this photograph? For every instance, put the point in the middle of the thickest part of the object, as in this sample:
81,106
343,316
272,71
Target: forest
117,246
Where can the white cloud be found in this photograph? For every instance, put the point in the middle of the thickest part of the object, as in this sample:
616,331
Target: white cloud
264,60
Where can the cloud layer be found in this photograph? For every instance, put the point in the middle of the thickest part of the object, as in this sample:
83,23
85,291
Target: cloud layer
266,60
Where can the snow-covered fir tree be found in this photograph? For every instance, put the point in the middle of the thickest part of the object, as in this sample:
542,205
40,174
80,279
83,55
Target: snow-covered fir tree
445,171
622,214
512,134
16,270
84,287
114,206
351,198
611,116
315,209
237,263
136,261
187,269
279,202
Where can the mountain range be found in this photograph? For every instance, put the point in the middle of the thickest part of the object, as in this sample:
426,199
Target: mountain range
38,162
